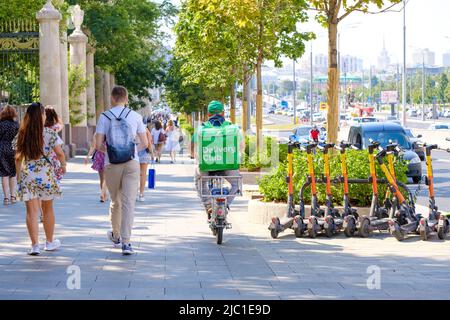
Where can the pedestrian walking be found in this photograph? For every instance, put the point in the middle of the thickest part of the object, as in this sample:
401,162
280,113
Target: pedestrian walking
145,158
159,138
36,176
8,130
173,141
54,122
98,164
119,127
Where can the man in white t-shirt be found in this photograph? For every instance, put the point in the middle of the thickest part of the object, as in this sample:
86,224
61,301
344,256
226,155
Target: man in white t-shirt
122,179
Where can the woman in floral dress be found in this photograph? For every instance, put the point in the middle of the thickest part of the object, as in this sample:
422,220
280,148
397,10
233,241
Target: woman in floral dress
53,121
98,164
36,176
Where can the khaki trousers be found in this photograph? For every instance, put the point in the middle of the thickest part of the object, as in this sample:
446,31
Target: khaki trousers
122,181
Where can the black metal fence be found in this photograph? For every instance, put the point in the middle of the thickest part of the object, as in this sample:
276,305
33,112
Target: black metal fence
19,62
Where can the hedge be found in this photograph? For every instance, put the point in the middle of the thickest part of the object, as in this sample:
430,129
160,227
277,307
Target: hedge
274,187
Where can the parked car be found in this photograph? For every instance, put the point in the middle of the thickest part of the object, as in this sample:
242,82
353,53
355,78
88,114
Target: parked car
415,142
391,118
318,117
384,132
412,113
439,126
301,134
358,120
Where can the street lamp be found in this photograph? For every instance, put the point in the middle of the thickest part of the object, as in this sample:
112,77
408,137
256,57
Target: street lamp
404,66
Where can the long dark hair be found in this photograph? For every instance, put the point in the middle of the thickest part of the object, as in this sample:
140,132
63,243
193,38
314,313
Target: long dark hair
51,117
30,141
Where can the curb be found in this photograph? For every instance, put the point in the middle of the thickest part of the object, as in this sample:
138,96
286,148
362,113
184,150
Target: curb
260,212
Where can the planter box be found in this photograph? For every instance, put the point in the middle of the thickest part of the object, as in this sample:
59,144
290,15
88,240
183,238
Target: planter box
260,212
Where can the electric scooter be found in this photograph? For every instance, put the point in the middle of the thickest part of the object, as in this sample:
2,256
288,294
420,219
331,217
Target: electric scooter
317,222
378,216
332,219
349,214
292,219
436,221
405,220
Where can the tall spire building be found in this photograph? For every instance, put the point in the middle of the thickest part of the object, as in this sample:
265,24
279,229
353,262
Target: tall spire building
383,58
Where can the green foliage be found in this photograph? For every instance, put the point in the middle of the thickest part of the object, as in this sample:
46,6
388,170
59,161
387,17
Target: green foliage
128,40
274,186
20,9
253,161
186,97
77,84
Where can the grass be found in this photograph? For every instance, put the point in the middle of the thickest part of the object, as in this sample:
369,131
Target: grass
286,126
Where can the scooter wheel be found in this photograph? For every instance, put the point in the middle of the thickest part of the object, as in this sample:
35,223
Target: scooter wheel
364,229
312,232
423,235
350,229
274,233
331,226
398,233
299,231
443,231
219,235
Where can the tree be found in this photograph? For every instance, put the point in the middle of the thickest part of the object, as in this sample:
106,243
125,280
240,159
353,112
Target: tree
274,33
442,88
182,96
128,40
330,13
209,43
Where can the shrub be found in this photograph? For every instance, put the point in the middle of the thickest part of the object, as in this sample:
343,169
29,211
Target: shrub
274,187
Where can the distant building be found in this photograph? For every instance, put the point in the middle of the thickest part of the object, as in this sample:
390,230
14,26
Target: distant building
446,60
351,64
383,59
425,55
321,63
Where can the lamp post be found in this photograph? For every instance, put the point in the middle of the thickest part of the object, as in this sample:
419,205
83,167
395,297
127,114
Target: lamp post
404,66
294,93
311,87
423,87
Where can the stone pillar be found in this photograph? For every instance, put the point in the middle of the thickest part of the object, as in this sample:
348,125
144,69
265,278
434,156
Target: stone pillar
78,41
65,114
49,59
112,81
99,100
106,90
90,94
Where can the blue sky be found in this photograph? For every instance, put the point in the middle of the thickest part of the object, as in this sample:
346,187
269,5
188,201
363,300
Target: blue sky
428,26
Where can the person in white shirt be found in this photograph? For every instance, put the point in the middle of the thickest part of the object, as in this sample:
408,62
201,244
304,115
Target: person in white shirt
121,176
159,139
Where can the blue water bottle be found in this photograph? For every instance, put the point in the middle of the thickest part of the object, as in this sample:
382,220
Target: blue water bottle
151,178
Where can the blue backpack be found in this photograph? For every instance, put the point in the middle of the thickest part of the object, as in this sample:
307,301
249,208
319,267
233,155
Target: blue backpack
120,139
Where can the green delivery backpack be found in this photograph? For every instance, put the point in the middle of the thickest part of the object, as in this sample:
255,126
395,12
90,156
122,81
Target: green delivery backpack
218,147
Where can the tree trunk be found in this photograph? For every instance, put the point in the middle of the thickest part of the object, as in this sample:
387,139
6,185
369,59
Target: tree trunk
245,105
333,85
259,105
232,104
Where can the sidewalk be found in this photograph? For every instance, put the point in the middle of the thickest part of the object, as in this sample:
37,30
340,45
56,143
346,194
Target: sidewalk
177,257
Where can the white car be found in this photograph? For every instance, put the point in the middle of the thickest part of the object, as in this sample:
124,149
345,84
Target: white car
439,126
318,117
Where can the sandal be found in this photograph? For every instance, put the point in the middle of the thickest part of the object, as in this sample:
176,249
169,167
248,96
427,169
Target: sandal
6,201
13,199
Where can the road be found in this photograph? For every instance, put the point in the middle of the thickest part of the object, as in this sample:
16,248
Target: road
441,164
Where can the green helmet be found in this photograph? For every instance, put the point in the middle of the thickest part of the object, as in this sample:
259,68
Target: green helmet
215,107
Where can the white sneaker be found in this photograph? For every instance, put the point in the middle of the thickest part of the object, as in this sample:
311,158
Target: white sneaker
141,198
52,246
34,251
116,242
